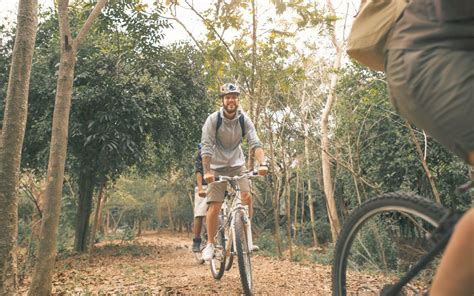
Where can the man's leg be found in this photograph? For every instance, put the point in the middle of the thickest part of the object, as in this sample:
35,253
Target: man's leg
197,234
197,227
247,200
455,274
200,209
211,219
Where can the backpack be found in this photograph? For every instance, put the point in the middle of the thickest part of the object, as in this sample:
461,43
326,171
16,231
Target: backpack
370,31
241,121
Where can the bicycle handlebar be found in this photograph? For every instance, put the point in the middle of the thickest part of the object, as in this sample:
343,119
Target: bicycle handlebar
249,174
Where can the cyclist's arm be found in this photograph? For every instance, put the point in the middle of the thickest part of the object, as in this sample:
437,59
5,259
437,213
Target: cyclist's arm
206,163
455,273
260,155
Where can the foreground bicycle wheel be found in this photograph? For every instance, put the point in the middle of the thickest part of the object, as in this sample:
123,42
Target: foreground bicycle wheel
381,240
243,254
218,261
229,249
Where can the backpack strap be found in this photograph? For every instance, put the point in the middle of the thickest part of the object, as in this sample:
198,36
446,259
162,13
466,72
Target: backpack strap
241,122
219,122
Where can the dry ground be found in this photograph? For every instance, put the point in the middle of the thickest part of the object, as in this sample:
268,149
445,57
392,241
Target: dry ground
162,264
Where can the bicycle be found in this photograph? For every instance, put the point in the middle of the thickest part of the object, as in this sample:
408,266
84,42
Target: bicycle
397,236
234,234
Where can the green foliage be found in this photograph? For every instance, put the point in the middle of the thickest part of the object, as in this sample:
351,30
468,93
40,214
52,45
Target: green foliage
265,241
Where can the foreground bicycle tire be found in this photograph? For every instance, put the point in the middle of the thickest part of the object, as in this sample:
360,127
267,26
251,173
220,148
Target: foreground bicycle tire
243,253
229,257
218,262
392,214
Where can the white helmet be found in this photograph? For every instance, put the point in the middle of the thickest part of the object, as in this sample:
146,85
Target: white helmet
229,88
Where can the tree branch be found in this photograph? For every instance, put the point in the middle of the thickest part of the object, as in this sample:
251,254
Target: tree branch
90,20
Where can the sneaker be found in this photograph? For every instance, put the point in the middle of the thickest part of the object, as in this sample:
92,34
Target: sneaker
197,245
255,248
208,252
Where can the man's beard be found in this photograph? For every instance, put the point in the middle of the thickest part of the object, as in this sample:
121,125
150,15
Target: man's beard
231,110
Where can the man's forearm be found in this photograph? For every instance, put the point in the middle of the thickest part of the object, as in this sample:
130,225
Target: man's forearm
199,180
260,155
206,164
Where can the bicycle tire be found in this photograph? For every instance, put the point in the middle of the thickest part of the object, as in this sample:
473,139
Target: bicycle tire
230,249
403,204
229,259
243,254
217,263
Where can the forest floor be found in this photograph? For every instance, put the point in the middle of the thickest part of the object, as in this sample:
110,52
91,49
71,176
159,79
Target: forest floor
163,264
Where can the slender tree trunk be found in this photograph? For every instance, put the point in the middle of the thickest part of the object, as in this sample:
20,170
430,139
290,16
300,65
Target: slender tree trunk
102,225
275,196
11,141
43,273
288,213
296,204
97,217
423,163
107,222
325,158
84,209
170,216
302,208
310,190
41,283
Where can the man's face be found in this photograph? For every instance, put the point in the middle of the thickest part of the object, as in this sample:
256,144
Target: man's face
230,102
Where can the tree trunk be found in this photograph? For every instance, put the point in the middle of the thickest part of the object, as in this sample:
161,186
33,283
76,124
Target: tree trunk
84,209
310,190
97,217
424,164
275,193
325,159
296,205
11,140
43,273
102,226
288,213
41,283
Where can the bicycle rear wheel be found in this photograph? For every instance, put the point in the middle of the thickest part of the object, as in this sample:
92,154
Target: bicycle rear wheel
218,261
243,254
381,240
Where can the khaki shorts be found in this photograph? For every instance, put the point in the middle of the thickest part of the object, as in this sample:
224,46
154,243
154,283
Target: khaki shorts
434,89
216,191
200,204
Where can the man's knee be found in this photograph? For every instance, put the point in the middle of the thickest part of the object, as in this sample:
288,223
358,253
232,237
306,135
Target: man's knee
246,197
214,207
471,158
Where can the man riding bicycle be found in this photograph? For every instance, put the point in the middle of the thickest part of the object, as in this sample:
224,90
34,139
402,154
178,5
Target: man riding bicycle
429,63
222,154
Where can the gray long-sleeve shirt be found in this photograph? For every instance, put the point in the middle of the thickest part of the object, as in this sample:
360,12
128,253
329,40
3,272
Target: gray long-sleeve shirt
225,149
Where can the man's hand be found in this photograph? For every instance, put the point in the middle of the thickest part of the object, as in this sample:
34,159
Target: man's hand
201,192
262,170
209,177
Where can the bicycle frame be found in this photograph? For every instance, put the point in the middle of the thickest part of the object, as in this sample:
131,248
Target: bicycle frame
234,197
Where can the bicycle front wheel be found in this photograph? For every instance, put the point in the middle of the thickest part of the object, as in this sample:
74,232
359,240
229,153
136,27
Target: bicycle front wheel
243,253
381,240
218,261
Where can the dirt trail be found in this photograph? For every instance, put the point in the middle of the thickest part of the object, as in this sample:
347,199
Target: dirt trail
162,264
